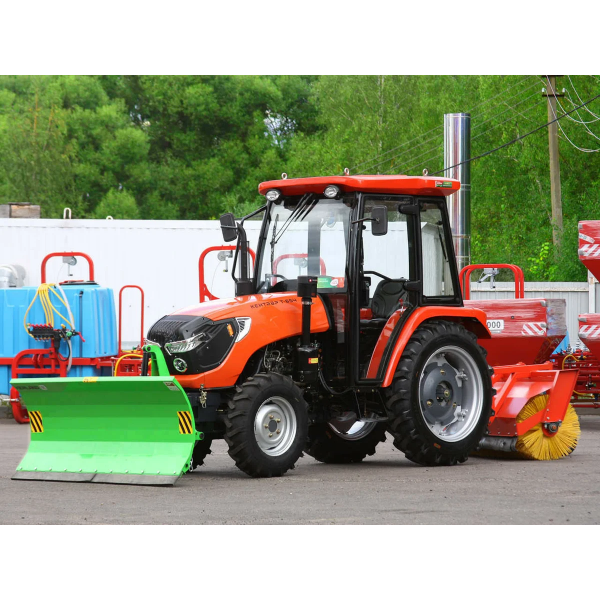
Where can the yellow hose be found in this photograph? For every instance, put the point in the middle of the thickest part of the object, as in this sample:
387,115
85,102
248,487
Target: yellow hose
131,355
43,294
586,396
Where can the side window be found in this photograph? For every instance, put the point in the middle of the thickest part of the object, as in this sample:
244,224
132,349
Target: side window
387,254
437,278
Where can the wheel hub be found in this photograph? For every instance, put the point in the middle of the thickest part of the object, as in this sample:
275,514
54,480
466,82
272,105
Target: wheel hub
440,394
450,393
275,426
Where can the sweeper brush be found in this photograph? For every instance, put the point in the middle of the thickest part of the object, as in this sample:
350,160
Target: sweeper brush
531,414
536,444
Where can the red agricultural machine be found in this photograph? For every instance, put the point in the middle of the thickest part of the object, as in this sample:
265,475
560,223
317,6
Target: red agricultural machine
586,361
350,325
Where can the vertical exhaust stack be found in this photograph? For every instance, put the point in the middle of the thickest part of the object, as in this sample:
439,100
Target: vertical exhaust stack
457,150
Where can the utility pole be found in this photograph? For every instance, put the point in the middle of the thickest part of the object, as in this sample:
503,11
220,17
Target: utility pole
555,193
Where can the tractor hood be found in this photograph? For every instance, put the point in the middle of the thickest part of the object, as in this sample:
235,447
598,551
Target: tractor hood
273,311
236,329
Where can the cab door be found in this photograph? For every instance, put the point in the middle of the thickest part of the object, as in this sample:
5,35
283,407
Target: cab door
385,264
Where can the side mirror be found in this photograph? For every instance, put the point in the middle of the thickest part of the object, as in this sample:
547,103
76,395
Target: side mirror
228,227
379,216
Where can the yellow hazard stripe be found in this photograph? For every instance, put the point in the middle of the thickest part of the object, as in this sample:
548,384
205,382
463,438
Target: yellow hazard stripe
35,421
185,421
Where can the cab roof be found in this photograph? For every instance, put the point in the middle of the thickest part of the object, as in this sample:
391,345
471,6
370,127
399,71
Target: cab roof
381,184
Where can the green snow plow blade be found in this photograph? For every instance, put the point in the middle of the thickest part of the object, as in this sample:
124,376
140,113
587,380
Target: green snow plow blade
135,430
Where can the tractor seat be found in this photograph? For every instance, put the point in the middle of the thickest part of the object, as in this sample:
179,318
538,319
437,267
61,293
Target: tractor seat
386,300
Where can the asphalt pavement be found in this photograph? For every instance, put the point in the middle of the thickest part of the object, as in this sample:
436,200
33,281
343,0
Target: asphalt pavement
384,489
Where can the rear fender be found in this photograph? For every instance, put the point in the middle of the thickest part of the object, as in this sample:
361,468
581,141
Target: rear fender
472,319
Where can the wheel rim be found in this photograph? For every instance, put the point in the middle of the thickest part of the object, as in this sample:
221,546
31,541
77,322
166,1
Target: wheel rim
275,426
451,393
358,431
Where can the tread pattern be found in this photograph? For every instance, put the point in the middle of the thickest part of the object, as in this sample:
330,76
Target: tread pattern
410,435
327,447
201,451
239,425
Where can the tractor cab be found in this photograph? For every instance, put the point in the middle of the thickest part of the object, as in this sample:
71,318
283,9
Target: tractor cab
378,246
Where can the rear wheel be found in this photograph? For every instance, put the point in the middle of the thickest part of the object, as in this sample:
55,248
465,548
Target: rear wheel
266,425
441,397
328,444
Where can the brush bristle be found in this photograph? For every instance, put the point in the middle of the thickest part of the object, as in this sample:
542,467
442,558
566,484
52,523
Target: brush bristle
534,444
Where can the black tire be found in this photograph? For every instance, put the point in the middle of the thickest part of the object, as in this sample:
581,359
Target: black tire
412,433
201,451
264,398
328,446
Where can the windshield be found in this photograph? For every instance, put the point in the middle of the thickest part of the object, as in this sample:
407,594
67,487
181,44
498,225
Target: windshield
306,235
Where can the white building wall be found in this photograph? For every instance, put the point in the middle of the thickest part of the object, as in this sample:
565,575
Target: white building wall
160,256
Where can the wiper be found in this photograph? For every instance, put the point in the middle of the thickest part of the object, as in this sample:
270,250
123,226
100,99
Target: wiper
273,241
295,212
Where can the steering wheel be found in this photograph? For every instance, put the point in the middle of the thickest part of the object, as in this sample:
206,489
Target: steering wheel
384,277
276,275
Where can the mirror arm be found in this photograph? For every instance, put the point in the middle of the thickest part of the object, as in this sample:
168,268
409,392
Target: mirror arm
253,213
362,220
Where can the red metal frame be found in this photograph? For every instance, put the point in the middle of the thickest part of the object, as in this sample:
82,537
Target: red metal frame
517,384
204,293
137,287
465,278
588,379
87,257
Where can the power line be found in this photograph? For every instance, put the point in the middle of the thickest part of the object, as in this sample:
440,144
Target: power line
396,148
498,95
404,151
516,139
483,123
569,99
507,120
535,84
436,128
578,98
505,111
431,150
564,115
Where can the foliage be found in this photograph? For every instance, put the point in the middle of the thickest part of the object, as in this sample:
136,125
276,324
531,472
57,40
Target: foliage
118,205
192,147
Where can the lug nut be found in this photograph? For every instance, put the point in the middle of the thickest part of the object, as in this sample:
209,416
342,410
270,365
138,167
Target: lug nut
266,427
278,431
429,402
270,416
277,420
270,435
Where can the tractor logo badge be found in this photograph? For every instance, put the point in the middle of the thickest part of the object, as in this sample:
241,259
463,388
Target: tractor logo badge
180,365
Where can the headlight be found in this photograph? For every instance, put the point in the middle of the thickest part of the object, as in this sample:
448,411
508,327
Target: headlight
331,191
272,195
244,324
185,345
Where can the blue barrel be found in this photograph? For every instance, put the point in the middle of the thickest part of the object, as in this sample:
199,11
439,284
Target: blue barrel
93,309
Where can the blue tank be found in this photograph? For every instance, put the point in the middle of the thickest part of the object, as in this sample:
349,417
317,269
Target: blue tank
93,309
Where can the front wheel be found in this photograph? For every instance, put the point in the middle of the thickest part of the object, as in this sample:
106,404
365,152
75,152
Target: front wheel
266,425
441,397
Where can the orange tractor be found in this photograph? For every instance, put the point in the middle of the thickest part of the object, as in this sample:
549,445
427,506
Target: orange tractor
352,324
348,324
